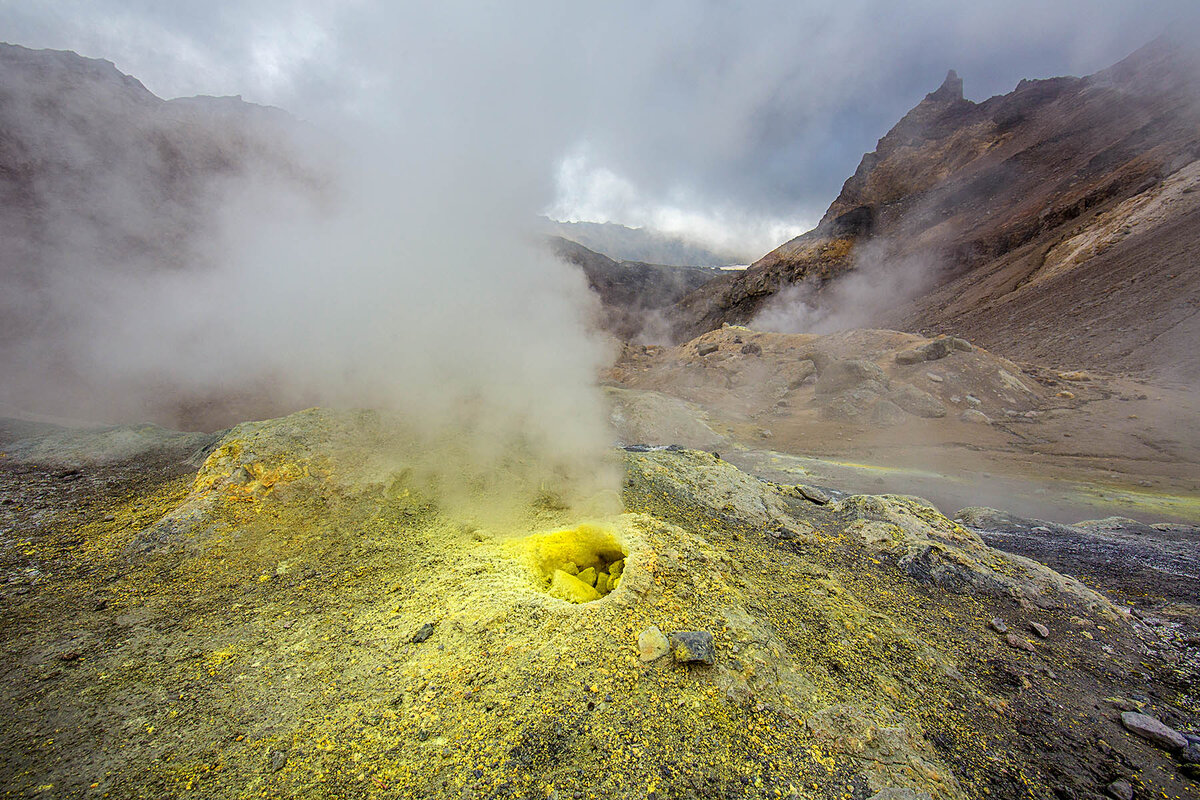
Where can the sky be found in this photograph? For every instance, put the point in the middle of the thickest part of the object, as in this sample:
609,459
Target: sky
735,123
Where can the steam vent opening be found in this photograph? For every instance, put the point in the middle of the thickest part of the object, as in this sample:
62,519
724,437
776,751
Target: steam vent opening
579,565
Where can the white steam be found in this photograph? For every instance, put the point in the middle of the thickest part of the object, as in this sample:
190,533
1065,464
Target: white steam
866,296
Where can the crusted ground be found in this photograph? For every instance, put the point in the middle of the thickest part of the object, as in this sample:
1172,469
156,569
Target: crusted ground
256,627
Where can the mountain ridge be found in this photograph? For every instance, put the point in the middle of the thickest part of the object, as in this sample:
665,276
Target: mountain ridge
983,191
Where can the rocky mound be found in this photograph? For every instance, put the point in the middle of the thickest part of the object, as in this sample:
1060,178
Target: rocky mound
304,616
870,377
1057,222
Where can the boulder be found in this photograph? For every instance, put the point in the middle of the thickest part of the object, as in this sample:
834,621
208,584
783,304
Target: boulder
916,401
840,376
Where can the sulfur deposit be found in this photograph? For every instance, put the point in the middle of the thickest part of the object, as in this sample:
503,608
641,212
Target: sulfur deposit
303,616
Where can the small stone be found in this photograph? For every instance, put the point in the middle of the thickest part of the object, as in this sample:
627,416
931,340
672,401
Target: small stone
1076,376
933,376
973,401
812,494
1018,643
975,416
69,656
1120,790
707,348
652,644
692,647
277,760
1153,731
998,625
1190,754
1040,629
423,633
110,518
751,349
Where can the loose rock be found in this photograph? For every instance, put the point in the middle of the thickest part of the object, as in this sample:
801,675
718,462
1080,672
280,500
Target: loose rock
1153,731
707,348
692,647
1040,629
1018,643
975,416
998,625
423,633
652,644
812,494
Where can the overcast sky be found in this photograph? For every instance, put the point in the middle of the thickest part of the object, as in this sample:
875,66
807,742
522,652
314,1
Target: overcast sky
735,120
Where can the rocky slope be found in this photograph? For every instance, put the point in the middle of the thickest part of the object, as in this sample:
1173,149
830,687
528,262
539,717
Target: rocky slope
633,295
302,616
642,244
1058,222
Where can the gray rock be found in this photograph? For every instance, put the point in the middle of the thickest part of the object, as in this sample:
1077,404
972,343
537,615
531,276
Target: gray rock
1040,629
1190,754
852,405
914,356
975,417
998,625
917,402
277,760
751,349
812,494
693,647
1153,731
973,401
1017,643
423,633
885,412
960,344
838,376
707,348
933,376
1120,789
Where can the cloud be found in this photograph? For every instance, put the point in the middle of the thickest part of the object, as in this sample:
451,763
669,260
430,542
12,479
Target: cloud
702,107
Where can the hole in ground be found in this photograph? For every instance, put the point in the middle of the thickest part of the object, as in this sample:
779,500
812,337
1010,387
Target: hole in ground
579,565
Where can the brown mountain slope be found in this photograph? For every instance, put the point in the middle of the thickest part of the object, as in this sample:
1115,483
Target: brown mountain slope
632,294
989,197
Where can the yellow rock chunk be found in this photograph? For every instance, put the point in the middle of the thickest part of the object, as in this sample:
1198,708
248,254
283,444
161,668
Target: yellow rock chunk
568,587
588,576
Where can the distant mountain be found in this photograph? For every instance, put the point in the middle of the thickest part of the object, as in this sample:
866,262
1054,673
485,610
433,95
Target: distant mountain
1059,223
633,295
101,184
643,245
